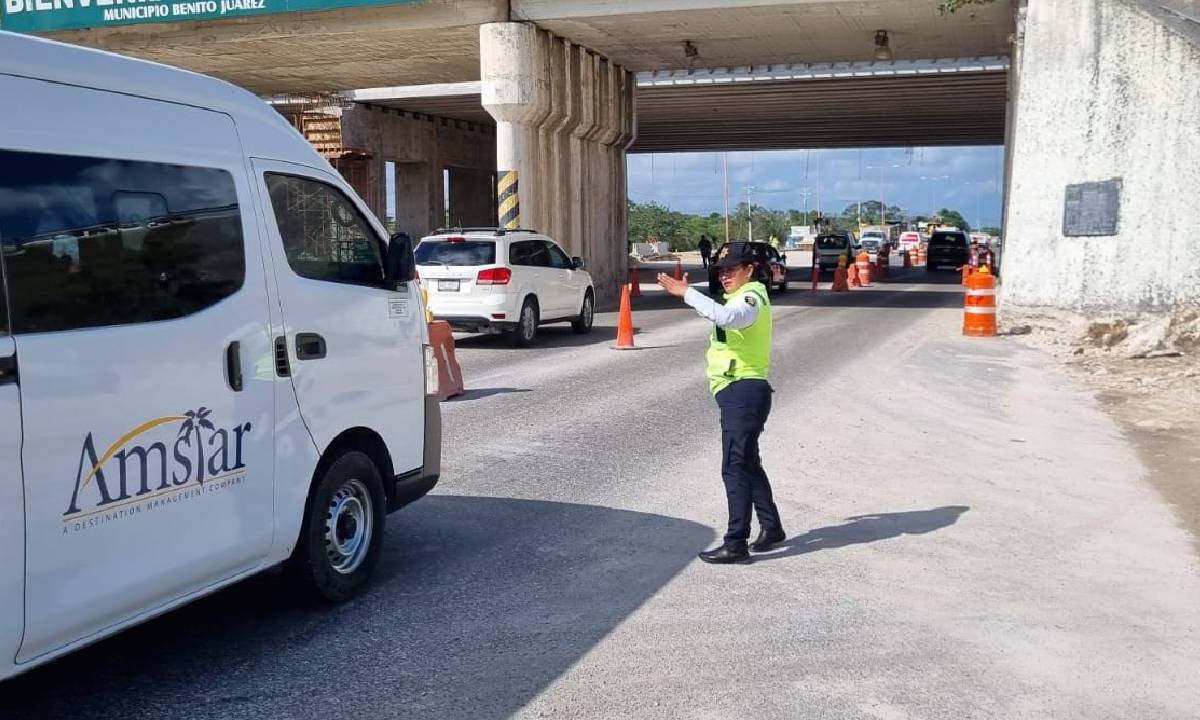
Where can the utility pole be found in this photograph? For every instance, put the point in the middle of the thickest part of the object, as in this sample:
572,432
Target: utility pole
750,214
725,157
805,192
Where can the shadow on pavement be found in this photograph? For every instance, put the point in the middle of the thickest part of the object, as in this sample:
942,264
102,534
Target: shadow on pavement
862,529
478,604
480,393
551,336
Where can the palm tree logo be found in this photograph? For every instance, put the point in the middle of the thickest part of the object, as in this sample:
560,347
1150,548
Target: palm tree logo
194,422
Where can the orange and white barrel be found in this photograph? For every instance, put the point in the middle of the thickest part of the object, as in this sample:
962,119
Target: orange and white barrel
863,261
979,305
922,255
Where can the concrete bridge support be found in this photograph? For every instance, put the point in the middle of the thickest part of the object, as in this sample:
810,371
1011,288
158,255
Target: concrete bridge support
426,154
564,119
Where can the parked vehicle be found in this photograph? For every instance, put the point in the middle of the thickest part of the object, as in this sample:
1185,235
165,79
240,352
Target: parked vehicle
212,359
910,240
771,267
834,245
492,280
948,248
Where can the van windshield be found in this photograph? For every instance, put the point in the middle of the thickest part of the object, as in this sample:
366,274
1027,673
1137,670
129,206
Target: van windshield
467,252
831,242
949,240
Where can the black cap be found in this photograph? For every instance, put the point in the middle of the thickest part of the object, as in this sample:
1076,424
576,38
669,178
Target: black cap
738,253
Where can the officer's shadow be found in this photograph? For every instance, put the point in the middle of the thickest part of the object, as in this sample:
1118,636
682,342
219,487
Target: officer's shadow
861,529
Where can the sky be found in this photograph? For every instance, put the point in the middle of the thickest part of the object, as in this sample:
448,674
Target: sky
967,179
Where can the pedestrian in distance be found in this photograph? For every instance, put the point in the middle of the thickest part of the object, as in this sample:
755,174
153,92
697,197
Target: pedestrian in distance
739,361
705,247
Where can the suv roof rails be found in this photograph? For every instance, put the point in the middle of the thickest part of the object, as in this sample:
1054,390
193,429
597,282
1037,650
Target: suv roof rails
498,231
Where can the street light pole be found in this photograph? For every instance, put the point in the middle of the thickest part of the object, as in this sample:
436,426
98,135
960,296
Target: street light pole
750,213
725,158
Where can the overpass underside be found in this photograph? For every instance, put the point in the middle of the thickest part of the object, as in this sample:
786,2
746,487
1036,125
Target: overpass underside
565,88
906,104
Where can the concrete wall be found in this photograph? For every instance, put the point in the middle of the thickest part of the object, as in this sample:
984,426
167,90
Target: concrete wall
1106,91
423,148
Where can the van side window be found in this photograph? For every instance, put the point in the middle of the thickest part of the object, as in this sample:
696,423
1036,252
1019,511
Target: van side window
324,235
91,242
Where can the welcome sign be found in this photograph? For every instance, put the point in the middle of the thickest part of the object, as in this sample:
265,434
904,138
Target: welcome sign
36,16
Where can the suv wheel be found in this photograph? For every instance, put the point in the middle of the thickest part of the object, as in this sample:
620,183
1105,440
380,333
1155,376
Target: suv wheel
583,324
527,324
343,530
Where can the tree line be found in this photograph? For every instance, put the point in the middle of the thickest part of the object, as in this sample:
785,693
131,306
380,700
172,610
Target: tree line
650,221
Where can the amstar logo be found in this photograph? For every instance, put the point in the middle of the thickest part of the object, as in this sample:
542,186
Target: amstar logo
145,469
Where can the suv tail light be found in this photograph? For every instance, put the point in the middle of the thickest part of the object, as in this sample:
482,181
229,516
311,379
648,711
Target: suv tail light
494,276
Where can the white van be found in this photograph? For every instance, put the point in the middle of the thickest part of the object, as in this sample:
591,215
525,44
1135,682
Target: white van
212,361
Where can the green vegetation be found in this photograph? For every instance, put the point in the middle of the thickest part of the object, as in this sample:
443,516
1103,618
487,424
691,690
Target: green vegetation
650,221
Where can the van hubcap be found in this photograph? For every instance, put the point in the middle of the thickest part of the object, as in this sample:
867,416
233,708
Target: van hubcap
349,525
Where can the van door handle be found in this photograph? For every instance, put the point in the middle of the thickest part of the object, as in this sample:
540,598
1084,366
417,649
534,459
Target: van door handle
8,370
233,365
309,346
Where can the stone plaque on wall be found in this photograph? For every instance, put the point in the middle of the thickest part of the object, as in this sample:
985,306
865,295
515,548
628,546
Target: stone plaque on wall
1092,208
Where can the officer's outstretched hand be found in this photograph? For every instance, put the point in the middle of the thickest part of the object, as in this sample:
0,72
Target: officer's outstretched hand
676,287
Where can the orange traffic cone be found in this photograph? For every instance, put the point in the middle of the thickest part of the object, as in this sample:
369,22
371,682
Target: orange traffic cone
908,258
678,269
966,273
625,322
635,283
816,277
853,272
840,283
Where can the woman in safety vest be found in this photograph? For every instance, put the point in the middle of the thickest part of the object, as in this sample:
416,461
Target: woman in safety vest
739,359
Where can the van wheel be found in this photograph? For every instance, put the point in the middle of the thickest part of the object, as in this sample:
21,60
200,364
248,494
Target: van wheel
343,530
527,324
583,324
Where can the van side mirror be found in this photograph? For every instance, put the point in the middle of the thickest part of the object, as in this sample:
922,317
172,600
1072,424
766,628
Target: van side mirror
401,264
577,263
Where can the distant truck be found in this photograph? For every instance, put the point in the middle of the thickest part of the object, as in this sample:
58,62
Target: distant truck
800,237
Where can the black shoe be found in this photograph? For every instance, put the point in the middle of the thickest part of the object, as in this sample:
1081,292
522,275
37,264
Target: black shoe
725,555
768,539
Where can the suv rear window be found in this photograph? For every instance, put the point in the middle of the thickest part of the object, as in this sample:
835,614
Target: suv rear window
467,252
949,239
831,242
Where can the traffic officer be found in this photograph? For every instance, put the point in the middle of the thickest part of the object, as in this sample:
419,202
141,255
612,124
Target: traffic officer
739,359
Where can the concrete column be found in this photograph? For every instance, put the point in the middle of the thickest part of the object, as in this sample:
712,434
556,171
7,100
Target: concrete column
514,92
563,123
418,197
471,198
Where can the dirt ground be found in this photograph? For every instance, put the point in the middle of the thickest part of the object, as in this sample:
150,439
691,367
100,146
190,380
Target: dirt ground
1146,371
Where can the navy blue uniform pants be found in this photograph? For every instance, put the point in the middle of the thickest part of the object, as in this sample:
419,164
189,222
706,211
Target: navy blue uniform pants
745,405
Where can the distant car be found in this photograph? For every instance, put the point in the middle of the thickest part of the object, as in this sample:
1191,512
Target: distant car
833,245
492,280
948,248
910,240
771,268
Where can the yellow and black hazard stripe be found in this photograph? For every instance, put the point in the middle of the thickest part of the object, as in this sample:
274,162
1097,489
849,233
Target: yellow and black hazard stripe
509,200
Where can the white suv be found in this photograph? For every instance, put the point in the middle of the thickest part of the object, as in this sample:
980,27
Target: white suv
493,280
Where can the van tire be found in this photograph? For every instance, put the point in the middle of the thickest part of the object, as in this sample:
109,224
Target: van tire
525,332
350,487
583,324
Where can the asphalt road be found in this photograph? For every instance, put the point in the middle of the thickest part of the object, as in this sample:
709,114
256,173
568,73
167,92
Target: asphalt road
971,537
